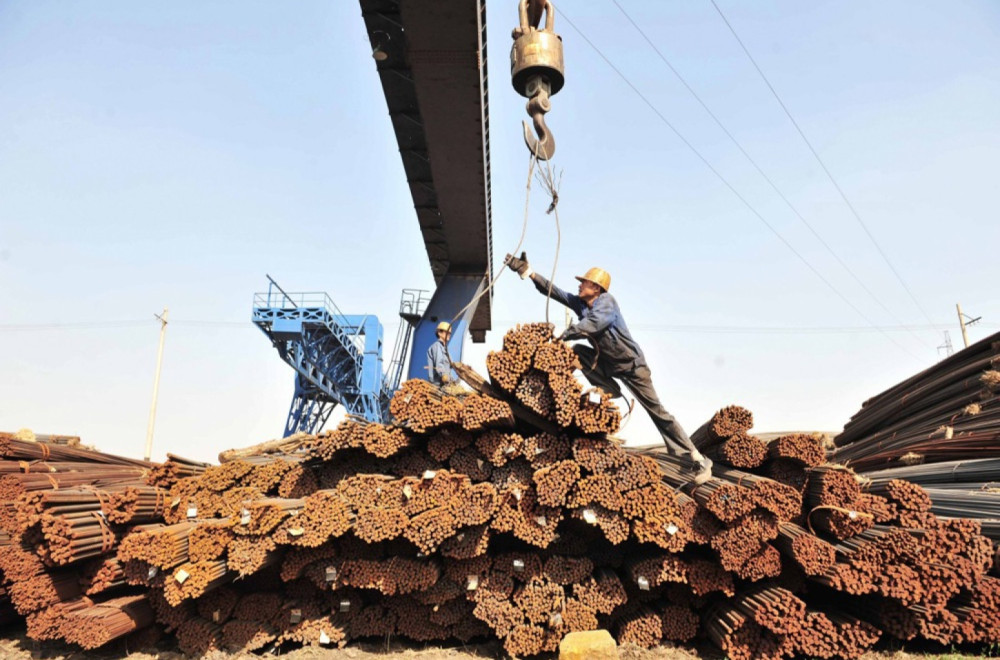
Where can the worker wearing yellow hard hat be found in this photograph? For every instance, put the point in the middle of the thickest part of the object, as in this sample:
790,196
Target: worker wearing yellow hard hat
615,356
438,365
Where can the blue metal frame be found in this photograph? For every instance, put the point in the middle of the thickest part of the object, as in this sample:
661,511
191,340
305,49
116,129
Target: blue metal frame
452,294
337,357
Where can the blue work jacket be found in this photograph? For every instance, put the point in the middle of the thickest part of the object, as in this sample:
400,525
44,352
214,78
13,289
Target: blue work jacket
438,364
603,322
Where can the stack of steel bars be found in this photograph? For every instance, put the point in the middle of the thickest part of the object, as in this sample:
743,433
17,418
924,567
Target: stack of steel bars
939,429
510,513
947,412
64,509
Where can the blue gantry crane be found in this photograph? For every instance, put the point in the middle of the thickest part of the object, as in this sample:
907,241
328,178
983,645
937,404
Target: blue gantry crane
431,61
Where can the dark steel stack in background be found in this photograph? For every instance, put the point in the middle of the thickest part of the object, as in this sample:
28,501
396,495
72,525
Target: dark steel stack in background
512,513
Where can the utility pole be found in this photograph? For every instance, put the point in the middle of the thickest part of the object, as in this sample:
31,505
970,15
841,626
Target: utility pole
964,321
156,383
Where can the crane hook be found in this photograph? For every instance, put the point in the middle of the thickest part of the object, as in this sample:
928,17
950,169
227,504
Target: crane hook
543,146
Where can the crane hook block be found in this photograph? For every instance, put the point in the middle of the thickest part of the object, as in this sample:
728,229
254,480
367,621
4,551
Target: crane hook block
536,71
536,52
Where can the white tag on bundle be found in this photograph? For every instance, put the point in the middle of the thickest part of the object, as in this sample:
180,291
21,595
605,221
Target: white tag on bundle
216,616
345,605
589,516
429,474
472,583
407,491
331,573
518,565
594,397
295,616
244,517
151,573
296,531
643,583
852,515
181,575
192,512
323,637
672,529
541,520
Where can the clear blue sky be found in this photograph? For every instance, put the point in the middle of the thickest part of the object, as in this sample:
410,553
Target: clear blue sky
171,154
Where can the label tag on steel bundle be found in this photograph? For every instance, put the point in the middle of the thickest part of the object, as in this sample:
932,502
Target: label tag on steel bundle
192,512
151,573
175,503
472,583
672,529
643,583
518,565
244,517
852,515
509,449
216,616
181,575
541,520
555,620
323,637
345,605
296,531
407,491
429,474
517,495
594,397
295,616
589,516
331,573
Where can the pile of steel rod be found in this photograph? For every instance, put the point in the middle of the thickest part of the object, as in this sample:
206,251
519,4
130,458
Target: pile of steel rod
510,513
947,412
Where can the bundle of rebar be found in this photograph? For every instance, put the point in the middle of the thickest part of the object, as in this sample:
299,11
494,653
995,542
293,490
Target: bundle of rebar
510,513
947,412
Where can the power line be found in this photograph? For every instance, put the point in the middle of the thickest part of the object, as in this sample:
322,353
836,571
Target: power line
76,325
760,171
819,160
728,185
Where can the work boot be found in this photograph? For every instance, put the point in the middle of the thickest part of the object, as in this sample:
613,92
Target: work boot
701,468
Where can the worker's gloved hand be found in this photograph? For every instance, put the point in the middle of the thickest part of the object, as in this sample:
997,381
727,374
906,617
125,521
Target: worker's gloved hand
445,378
518,265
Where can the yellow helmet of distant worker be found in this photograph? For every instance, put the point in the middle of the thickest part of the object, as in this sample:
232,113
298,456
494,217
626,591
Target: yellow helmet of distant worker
598,276
444,325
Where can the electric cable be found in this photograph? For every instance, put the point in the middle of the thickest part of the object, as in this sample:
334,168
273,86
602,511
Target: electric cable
728,185
760,171
843,195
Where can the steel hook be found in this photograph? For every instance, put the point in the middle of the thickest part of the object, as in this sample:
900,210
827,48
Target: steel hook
543,146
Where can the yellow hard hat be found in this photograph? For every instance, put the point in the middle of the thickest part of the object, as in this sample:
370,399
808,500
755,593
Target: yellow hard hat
444,325
598,276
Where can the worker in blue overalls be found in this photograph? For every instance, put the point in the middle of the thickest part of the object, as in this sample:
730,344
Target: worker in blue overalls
438,365
618,356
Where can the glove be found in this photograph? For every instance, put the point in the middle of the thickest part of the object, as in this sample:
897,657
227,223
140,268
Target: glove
519,265
445,378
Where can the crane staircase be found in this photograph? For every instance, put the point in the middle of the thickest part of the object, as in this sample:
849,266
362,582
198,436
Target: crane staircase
337,357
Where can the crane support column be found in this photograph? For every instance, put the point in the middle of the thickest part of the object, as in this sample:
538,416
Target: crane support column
453,293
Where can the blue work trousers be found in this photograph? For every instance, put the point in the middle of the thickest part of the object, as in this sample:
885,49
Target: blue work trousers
639,382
